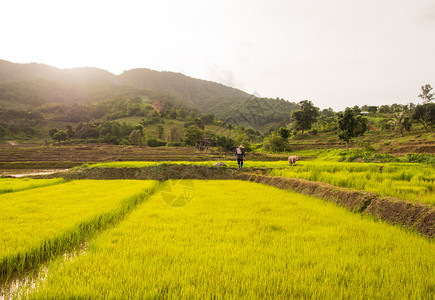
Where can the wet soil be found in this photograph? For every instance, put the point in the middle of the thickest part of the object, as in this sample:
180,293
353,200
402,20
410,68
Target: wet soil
16,173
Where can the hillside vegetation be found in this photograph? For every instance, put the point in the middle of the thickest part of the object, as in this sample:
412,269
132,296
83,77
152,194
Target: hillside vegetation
143,107
33,87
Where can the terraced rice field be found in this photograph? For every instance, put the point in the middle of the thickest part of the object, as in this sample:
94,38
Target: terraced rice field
9,185
235,239
99,152
36,224
405,181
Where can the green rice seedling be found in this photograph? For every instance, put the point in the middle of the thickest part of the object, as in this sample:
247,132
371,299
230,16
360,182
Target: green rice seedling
411,182
39,223
10,185
242,240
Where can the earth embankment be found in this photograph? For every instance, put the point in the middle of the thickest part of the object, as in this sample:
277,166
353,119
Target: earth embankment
417,216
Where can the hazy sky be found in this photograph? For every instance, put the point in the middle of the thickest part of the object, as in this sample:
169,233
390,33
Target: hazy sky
336,53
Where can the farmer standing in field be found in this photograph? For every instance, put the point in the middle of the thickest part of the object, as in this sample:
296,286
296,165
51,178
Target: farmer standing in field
292,160
240,153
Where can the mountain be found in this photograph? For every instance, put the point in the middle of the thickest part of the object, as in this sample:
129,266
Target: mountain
10,72
27,86
201,93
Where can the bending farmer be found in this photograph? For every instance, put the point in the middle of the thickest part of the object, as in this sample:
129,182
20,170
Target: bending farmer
292,160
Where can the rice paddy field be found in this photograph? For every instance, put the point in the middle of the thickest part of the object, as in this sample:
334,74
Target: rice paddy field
413,182
39,223
237,239
10,185
406,181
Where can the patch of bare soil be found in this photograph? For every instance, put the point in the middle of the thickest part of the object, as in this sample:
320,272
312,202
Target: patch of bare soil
418,216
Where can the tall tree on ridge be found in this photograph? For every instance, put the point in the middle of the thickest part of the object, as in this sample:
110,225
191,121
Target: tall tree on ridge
350,126
305,117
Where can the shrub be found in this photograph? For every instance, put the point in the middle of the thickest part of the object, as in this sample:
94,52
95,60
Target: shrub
153,142
419,158
275,143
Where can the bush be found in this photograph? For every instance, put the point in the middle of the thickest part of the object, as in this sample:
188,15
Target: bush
275,143
419,158
109,139
369,156
153,142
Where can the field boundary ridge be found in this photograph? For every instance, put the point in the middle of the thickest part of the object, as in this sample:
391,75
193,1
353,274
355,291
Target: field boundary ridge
417,216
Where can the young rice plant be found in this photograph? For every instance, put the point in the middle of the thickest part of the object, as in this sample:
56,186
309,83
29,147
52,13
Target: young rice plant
244,240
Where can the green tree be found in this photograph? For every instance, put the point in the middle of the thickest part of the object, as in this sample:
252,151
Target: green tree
160,130
139,127
87,131
305,117
60,136
224,142
175,134
208,118
284,133
400,122
425,114
356,110
172,114
69,131
327,121
384,109
3,130
372,109
192,134
136,137
426,94
182,114
350,126
52,132
243,139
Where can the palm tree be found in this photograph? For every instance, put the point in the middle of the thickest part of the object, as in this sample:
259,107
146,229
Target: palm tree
400,122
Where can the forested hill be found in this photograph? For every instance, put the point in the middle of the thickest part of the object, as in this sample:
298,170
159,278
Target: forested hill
229,104
26,86
22,72
203,94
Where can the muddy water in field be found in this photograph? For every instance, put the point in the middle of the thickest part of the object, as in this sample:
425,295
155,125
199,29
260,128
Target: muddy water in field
28,172
17,285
